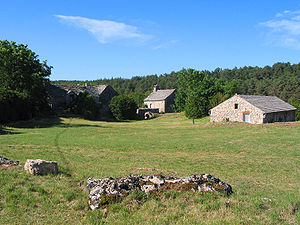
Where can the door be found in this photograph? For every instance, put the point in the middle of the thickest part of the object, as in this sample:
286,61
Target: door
246,117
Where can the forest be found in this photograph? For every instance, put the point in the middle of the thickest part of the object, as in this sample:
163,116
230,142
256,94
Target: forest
281,80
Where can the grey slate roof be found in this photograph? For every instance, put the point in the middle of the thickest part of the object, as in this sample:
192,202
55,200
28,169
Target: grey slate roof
95,91
159,95
268,104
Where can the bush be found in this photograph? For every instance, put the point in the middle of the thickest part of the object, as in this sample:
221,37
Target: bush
123,107
84,105
296,103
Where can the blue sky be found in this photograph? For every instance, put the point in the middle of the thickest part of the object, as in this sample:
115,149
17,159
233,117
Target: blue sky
86,40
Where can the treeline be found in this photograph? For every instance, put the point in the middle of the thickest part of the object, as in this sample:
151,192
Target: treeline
281,79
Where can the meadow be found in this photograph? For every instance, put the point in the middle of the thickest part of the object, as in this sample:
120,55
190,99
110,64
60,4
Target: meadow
261,162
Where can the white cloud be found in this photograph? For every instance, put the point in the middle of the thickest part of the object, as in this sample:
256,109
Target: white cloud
284,29
105,30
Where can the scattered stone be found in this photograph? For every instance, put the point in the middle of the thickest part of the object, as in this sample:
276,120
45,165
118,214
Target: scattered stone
108,190
267,200
40,167
7,162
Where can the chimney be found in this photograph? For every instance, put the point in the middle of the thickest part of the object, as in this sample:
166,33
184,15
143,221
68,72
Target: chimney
156,88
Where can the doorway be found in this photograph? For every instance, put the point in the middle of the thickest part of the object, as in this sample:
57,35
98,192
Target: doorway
246,117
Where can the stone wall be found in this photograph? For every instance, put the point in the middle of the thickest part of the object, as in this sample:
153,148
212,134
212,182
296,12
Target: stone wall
169,103
226,111
141,112
156,105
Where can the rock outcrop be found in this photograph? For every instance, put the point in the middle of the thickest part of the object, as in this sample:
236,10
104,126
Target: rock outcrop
109,190
7,162
40,167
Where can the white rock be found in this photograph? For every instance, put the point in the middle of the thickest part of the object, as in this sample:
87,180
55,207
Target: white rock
40,167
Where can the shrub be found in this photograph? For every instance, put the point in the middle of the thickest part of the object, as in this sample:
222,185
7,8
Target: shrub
14,106
84,105
296,103
123,107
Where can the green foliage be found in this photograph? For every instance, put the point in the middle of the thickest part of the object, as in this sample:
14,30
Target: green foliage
138,98
123,107
217,99
195,91
296,103
14,105
230,88
180,99
196,106
23,80
85,106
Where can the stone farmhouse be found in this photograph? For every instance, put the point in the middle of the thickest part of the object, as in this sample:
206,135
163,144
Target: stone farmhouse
161,99
62,95
253,109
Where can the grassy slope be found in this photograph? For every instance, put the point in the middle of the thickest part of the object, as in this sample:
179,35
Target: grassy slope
257,160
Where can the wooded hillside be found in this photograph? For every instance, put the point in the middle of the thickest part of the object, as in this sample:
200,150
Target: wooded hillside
281,79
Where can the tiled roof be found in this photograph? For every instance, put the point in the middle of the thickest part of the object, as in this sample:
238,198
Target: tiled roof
268,104
92,90
159,95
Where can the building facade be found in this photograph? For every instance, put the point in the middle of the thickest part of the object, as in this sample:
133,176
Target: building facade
253,109
161,99
62,95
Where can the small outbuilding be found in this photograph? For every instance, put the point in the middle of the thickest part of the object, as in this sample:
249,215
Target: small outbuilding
161,99
253,109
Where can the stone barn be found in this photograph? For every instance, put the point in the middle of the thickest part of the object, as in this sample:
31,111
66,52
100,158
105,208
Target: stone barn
253,109
161,99
61,95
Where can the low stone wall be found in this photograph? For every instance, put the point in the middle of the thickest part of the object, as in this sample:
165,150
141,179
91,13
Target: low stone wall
108,190
141,112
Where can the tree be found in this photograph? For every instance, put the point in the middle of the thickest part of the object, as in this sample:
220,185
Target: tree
195,89
138,98
23,78
195,106
84,105
123,107
217,99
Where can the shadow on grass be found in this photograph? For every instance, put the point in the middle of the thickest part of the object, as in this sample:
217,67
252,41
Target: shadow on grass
5,130
79,125
37,123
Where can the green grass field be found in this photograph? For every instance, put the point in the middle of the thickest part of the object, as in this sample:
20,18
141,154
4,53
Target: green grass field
259,161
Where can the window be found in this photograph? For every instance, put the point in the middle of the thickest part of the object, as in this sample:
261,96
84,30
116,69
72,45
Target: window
236,106
150,106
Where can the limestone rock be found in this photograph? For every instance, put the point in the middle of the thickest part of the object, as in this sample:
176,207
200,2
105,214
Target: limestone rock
40,167
7,162
108,190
